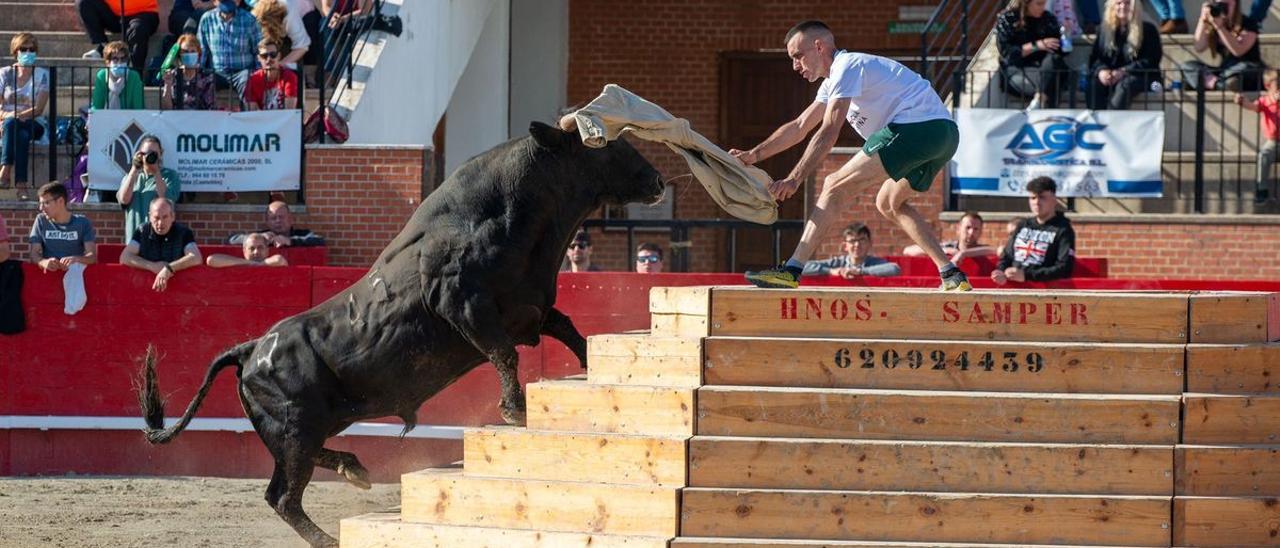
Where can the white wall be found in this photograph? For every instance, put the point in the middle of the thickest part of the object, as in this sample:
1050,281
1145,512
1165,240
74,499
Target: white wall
539,61
478,111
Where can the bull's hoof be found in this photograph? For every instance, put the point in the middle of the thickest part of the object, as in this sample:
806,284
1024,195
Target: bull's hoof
514,417
355,475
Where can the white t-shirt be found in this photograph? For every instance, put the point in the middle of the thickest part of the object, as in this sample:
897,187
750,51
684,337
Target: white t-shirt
881,91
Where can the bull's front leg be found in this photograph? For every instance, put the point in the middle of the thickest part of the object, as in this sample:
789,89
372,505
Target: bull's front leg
481,324
559,327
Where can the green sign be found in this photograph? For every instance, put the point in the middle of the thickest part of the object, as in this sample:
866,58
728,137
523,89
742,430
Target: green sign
914,27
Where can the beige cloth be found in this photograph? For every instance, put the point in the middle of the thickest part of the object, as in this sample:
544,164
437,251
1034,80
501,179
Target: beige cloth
741,190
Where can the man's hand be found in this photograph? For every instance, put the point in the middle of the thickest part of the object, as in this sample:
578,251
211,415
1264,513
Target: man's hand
1016,274
162,278
998,277
745,156
783,189
849,272
50,265
278,240
68,261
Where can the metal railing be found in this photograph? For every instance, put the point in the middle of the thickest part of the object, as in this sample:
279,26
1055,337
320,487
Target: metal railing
680,237
947,44
1210,144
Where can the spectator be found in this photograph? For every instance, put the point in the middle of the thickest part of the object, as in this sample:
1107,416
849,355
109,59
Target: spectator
228,36
1031,57
1173,19
1268,106
857,259
60,238
310,13
141,18
280,231
189,86
272,87
283,26
344,25
1233,38
648,258
1125,58
147,180
967,243
162,246
578,257
185,16
255,254
24,92
117,87
4,242
1044,246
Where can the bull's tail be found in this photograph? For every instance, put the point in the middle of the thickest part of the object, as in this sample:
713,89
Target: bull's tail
152,404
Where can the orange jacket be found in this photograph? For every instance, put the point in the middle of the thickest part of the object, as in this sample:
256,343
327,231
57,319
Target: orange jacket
133,7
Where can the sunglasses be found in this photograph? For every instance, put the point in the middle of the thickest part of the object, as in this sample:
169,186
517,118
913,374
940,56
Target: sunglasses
26,49
118,60
579,246
648,259
269,55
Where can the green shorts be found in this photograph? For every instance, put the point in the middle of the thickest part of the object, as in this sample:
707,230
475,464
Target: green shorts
915,152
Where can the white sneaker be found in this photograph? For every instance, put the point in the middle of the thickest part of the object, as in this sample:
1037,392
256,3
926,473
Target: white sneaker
1034,104
92,54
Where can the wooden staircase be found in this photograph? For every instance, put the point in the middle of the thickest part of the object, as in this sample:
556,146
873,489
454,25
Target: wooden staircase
753,418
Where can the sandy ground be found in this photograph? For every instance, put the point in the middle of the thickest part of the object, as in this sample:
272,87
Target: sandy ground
93,511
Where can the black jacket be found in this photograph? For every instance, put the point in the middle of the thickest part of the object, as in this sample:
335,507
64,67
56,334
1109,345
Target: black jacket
1043,251
12,317
1010,36
1145,60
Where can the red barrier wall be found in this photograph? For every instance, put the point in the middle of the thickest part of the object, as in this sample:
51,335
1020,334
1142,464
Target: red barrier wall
297,256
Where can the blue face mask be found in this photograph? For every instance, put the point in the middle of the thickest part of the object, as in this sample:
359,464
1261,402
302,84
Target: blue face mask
190,59
227,6
27,58
119,70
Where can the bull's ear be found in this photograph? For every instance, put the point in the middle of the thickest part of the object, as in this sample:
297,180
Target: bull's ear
547,136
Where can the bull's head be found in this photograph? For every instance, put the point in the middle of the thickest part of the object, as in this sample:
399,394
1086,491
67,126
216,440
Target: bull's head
621,173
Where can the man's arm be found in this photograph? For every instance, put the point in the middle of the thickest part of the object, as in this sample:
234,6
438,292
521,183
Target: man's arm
783,138
882,269
823,268
823,140
1061,268
219,260
190,259
307,239
124,194
90,253
130,258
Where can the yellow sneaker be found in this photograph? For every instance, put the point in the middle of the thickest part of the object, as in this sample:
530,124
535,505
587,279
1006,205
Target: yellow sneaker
956,281
778,277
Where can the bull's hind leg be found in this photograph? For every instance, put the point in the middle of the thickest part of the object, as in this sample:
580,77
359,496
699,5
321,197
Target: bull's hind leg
559,327
346,465
481,323
284,494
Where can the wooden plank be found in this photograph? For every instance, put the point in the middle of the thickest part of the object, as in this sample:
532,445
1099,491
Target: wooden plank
1227,470
1211,419
945,365
1214,521
705,542
645,360
678,325
876,465
564,456
387,530
925,517
692,300
575,406
939,416
1234,369
1232,317
1005,315
447,497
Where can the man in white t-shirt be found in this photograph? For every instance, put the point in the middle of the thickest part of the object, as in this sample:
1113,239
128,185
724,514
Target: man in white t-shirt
910,138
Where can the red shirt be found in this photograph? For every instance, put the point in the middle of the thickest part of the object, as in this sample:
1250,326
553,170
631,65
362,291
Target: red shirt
133,7
271,96
1269,110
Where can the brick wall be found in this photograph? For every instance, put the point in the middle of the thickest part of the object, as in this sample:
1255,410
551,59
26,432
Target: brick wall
357,198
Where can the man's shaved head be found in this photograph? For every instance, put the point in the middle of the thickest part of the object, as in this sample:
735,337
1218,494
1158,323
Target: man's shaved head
811,29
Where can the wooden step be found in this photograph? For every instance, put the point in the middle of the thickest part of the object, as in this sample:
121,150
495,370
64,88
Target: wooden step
567,456
578,406
1235,317
447,497
712,542
1226,521
679,311
1227,470
876,465
935,415
386,530
1213,419
1234,369
644,359
945,365
925,517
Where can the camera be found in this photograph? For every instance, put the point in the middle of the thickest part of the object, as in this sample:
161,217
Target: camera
1217,9
149,158
152,158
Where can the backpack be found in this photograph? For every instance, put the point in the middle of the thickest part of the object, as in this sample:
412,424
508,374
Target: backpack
330,124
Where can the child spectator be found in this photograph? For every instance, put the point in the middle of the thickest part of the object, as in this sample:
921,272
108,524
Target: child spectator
857,259
117,87
271,87
1267,106
188,86
1044,245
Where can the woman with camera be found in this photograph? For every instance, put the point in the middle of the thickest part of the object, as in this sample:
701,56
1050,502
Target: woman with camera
1125,58
1225,32
1031,56
117,87
147,180
188,86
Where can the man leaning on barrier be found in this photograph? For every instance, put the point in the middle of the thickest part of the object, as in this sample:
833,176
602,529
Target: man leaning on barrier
163,246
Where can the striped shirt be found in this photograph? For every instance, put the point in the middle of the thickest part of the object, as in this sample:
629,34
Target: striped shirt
230,46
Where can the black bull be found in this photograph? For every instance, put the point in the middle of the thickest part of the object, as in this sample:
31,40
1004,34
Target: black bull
472,275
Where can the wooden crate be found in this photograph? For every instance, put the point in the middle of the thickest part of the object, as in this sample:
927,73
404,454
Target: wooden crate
385,530
644,360
577,406
575,456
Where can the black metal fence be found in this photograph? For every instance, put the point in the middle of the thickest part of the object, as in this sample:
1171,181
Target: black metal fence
680,237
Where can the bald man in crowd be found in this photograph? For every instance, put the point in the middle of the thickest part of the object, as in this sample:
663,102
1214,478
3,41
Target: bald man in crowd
255,254
280,231
162,246
910,137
